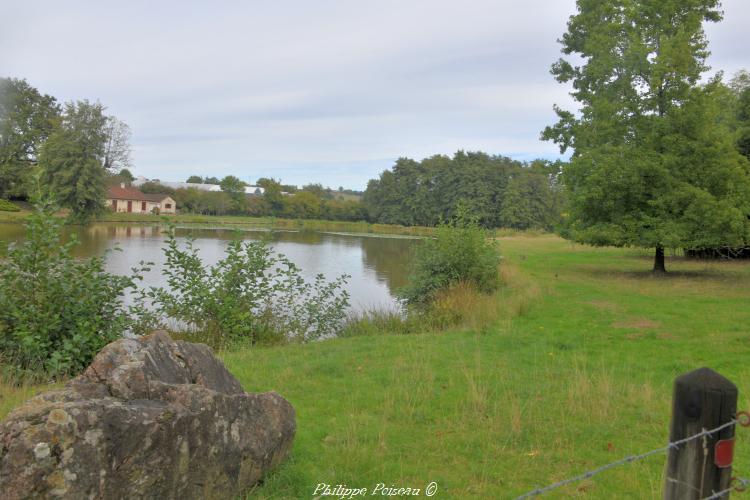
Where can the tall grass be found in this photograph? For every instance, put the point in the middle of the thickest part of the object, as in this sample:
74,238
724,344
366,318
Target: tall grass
460,306
552,390
16,386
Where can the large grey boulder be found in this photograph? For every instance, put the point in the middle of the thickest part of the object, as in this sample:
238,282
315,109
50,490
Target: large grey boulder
150,418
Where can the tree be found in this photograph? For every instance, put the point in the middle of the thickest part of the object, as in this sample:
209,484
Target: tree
154,187
195,179
27,118
303,205
71,159
272,195
127,175
235,188
429,192
318,190
529,203
652,165
232,185
117,145
211,180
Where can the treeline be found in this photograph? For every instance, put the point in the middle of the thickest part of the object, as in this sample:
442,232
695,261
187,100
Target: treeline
66,150
323,192
495,190
311,202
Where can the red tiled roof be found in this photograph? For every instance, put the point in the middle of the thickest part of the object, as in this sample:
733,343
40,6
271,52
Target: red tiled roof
125,193
131,193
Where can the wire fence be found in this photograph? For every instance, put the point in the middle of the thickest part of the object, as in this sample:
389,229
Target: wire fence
737,484
635,458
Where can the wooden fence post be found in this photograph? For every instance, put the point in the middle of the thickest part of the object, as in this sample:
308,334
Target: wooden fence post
703,400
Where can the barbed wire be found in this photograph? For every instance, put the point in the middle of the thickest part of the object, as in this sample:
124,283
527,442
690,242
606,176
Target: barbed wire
743,484
628,460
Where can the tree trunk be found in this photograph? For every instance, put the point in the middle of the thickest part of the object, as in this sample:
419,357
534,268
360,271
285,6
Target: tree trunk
659,261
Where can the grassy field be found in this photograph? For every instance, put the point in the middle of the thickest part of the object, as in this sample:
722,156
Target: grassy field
577,375
575,370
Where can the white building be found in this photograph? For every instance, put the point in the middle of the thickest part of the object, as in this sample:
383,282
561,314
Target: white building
249,190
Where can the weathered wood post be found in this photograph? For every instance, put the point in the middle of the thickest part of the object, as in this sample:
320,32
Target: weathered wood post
703,400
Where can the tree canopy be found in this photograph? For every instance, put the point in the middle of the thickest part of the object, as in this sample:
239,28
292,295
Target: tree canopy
72,159
231,184
429,192
27,118
653,164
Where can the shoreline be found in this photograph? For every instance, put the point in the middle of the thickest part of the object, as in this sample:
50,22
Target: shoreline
360,227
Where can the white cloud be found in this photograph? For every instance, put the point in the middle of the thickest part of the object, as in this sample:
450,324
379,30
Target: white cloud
328,91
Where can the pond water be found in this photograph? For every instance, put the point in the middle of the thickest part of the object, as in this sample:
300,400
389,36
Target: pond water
377,265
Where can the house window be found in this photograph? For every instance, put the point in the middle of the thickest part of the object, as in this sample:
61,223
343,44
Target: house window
167,205
114,205
143,206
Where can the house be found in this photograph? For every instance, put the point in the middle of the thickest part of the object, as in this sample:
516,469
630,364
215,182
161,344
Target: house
128,199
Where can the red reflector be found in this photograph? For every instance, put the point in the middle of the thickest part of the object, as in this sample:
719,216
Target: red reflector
724,453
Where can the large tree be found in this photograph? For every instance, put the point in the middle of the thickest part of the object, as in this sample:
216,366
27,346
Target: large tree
26,120
72,159
652,166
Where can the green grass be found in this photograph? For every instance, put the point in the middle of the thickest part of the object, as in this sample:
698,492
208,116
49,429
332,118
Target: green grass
573,368
580,378
14,393
7,206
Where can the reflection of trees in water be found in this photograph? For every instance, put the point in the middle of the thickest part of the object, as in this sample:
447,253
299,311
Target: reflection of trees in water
390,258
302,237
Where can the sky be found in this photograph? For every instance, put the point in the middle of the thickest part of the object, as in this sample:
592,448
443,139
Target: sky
328,91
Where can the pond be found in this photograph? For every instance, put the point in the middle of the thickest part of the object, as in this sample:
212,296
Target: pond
378,265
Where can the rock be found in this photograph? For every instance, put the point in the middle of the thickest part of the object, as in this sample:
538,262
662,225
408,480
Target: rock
150,418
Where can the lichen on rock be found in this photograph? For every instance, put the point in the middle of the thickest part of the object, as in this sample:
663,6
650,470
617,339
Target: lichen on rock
150,418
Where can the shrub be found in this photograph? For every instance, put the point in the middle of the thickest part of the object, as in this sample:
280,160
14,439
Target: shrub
56,311
251,295
459,252
6,206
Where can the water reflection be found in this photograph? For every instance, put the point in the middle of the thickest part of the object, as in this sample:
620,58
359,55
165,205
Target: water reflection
377,265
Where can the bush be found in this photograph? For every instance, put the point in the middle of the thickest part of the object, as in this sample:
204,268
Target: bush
252,295
6,206
460,252
56,311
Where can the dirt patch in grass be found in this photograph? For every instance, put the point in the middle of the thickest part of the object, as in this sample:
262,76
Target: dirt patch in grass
637,323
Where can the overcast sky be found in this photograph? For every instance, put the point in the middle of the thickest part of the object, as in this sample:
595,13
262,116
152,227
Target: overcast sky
328,91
